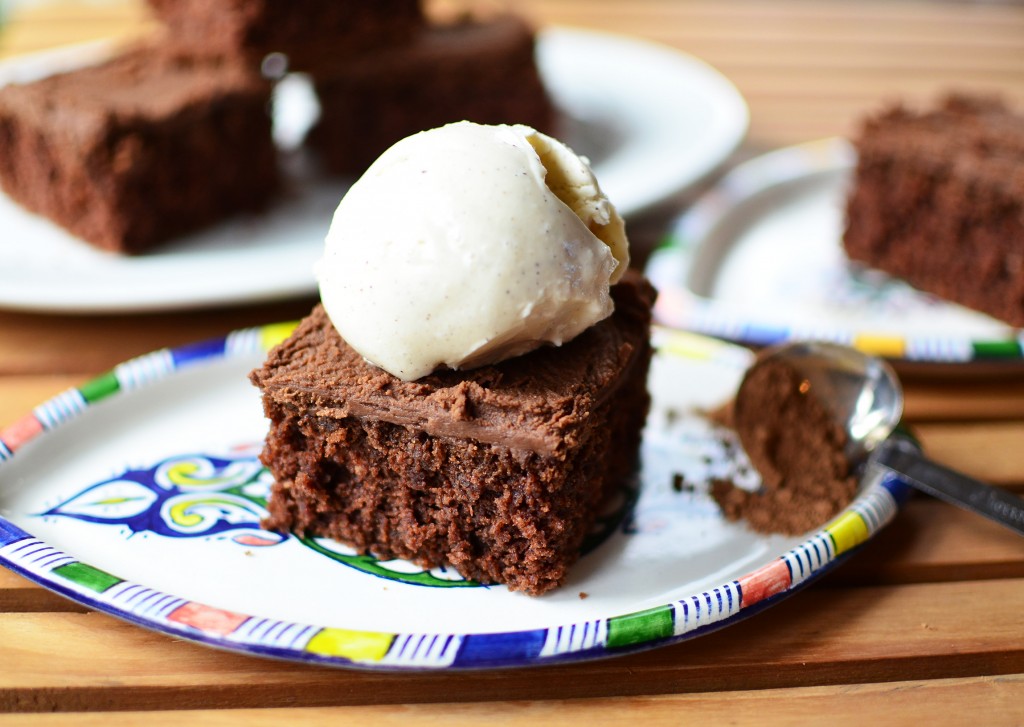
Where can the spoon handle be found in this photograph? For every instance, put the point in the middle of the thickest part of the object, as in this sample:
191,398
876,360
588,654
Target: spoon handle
992,502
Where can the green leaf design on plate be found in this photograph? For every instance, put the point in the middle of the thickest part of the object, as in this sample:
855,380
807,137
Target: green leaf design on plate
369,564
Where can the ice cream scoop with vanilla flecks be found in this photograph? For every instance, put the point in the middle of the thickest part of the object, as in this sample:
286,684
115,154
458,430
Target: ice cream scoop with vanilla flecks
467,245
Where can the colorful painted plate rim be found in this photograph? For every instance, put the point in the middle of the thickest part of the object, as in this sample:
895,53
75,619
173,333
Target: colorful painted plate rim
680,307
252,259
880,498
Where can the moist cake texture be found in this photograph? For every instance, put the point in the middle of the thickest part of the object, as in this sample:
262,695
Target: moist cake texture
475,70
140,149
498,471
938,200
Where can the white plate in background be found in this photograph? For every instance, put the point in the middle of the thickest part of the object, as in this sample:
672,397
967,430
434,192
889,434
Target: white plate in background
653,120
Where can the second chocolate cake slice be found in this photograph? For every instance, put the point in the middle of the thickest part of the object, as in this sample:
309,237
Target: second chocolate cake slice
938,200
140,149
499,471
481,70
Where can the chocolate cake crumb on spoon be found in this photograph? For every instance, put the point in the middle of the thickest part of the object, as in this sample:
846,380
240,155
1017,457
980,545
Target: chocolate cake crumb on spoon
808,414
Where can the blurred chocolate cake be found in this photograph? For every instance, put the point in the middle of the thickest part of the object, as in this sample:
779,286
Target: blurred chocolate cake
937,199
140,149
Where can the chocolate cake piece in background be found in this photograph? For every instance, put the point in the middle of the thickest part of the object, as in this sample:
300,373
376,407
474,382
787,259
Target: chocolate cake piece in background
475,70
938,200
315,35
140,149
498,471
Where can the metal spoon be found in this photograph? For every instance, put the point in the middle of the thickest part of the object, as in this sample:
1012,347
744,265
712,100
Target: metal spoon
866,398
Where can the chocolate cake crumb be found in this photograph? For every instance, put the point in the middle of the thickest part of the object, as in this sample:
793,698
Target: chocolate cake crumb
797,447
681,484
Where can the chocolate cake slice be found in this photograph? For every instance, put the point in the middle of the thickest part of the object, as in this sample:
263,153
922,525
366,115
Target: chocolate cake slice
315,35
938,200
475,70
498,471
140,149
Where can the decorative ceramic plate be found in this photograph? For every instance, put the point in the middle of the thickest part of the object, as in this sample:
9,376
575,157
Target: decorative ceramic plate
758,260
650,135
139,494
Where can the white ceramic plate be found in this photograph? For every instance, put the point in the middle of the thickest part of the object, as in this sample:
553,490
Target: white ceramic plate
654,122
139,493
759,260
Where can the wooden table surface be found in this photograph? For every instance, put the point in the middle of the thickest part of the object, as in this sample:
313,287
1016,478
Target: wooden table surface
926,623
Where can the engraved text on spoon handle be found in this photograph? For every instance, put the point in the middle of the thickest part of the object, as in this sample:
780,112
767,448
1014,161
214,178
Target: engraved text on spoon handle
946,484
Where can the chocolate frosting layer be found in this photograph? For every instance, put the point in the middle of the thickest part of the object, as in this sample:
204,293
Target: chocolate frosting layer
538,402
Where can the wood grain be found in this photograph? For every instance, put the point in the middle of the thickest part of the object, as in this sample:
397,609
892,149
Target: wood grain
922,625
983,397
989,700
821,637
19,595
38,26
992,451
805,68
67,344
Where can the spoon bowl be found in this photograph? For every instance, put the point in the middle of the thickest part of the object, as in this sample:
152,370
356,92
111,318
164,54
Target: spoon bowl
864,397
862,392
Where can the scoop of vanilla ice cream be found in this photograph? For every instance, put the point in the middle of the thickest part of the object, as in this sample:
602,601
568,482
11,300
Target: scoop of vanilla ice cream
467,245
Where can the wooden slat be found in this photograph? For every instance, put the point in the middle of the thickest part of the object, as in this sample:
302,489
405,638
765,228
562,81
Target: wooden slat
988,700
913,20
802,65
815,26
819,637
983,397
35,27
63,344
938,595
19,595
993,452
